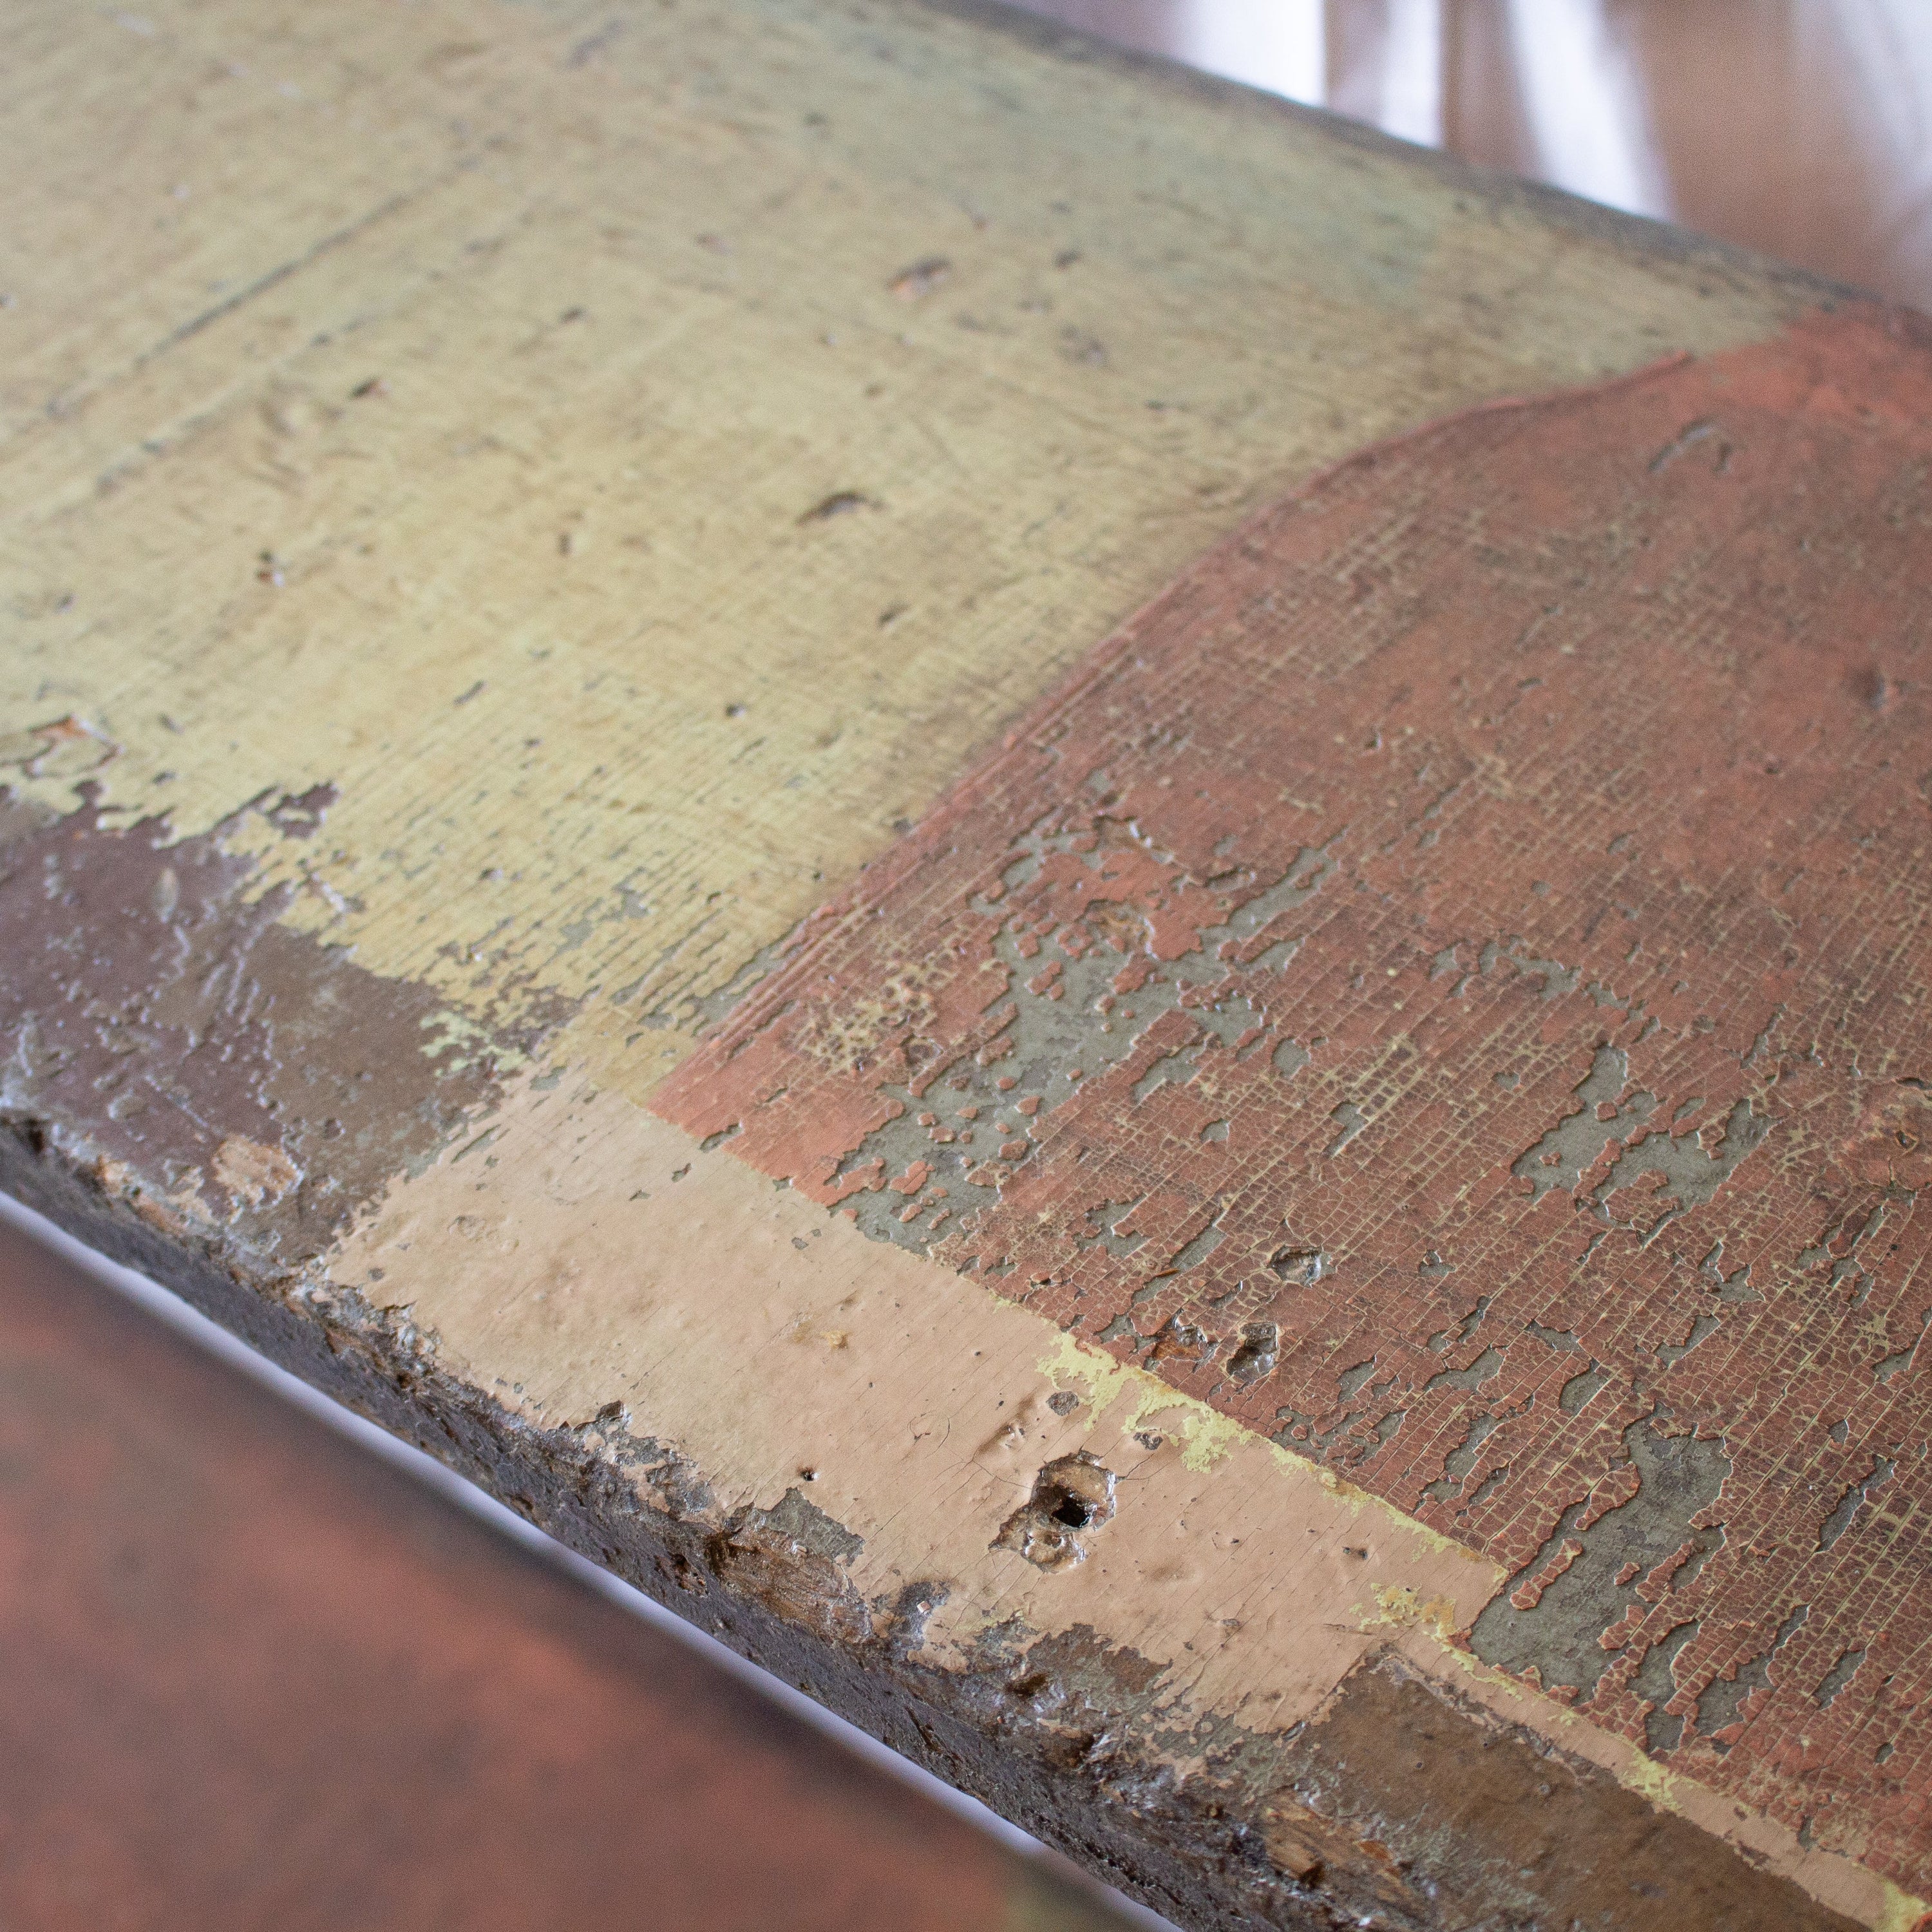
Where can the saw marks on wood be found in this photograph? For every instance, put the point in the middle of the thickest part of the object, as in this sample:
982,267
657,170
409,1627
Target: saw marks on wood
1446,986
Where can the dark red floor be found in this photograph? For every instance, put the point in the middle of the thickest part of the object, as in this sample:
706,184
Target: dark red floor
251,1676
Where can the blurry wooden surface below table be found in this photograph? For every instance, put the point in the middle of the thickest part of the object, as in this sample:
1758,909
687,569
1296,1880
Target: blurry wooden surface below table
250,1676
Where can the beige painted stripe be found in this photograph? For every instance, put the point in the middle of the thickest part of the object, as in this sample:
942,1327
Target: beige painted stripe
591,1253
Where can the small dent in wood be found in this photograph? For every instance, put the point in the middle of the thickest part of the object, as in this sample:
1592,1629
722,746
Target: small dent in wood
1073,1495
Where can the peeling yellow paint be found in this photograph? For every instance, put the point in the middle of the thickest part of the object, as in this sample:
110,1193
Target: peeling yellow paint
490,507
1208,1434
1406,1609
463,1042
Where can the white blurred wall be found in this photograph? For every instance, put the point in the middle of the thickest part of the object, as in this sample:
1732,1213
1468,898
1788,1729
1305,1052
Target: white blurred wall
1802,127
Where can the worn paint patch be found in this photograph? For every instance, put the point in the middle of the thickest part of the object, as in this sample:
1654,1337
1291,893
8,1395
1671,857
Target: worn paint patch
1511,1832
536,593
158,1019
1444,987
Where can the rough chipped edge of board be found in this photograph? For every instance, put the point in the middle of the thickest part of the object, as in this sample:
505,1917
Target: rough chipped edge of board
1185,1852
548,1477
1048,1895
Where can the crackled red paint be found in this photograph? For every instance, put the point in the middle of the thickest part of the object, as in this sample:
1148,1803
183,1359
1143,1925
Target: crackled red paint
1464,947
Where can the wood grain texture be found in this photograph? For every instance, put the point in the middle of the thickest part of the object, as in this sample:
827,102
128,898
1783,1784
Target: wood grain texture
506,510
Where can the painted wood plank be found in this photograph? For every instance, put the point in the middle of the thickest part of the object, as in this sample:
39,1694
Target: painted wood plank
507,513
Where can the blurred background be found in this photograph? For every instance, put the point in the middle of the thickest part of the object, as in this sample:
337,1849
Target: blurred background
1797,127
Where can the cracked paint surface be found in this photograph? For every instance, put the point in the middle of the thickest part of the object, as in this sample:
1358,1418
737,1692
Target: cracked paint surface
1446,985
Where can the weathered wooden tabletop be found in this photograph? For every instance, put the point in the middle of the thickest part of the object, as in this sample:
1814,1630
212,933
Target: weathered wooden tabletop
1280,1233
